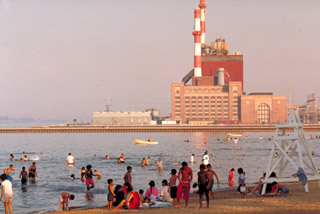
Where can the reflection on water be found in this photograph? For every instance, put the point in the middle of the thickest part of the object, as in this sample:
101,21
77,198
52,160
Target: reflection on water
54,175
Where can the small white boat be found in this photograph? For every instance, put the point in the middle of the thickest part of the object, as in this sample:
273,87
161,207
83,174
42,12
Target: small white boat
234,135
136,141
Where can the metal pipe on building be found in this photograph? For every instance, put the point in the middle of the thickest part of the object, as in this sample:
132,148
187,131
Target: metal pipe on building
203,6
220,72
197,43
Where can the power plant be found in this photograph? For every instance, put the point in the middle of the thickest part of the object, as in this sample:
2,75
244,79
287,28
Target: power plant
215,94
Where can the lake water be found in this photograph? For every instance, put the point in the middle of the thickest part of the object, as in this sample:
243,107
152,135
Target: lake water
54,174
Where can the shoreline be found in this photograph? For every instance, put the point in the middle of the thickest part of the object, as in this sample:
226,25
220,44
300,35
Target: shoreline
229,201
71,128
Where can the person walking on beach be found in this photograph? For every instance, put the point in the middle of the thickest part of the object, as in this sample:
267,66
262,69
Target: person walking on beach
231,177
24,176
185,178
172,186
33,172
211,173
242,184
7,171
89,179
70,160
64,200
6,193
203,183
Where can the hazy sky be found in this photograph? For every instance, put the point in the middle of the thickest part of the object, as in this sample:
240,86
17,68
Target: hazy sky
61,58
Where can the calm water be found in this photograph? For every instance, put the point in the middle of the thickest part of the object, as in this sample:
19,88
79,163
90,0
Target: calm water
54,174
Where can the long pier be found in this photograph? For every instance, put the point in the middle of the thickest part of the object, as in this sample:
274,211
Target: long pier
159,128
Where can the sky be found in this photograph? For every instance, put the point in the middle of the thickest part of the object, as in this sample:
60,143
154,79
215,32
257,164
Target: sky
61,59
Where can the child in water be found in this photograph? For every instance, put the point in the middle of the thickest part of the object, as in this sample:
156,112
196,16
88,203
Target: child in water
97,174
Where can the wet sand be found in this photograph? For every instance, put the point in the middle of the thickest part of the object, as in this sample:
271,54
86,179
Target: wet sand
229,201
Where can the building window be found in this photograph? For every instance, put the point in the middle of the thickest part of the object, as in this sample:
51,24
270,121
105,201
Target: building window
263,113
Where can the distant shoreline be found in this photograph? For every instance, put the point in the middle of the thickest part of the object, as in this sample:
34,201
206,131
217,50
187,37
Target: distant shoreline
74,128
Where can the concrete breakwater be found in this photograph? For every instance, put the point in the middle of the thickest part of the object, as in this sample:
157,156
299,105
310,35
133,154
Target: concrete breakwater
160,128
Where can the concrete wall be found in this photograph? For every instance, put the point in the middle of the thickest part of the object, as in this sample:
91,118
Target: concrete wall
121,118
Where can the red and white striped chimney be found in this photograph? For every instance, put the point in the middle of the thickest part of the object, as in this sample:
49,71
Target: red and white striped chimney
197,43
203,6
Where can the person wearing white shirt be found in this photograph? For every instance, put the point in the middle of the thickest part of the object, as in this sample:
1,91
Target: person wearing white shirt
164,193
6,193
70,160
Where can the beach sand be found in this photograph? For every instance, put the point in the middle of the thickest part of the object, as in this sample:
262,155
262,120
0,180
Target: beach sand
229,201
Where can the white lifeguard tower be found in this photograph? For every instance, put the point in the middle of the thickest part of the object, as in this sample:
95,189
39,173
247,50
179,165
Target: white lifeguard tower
290,148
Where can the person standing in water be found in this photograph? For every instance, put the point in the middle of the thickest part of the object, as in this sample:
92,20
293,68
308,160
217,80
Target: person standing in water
89,179
24,176
33,172
70,160
7,171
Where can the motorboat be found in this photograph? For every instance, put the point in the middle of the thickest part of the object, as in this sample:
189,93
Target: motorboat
137,141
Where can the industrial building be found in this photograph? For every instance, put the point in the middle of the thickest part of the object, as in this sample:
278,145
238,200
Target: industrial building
121,118
215,94
310,111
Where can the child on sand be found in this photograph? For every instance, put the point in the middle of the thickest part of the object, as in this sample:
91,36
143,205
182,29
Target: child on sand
141,196
64,200
173,186
203,182
210,173
133,201
231,177
24,176
7,171
242,184
111,194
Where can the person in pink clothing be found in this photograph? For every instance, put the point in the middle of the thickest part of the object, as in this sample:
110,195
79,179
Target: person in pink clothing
152,190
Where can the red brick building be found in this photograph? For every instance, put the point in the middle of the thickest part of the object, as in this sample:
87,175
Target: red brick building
263,108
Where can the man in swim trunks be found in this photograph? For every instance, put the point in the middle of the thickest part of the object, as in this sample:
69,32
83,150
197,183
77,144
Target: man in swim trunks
203,181
7,171
70,160
210,173
127,180
185,178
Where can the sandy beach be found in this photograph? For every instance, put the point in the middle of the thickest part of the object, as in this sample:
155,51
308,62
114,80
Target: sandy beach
229,201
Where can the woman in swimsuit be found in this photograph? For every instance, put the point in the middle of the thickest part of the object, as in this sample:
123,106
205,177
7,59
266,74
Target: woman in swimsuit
33,172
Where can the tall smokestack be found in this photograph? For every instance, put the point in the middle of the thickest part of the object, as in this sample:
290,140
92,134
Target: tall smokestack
197,43
203,6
